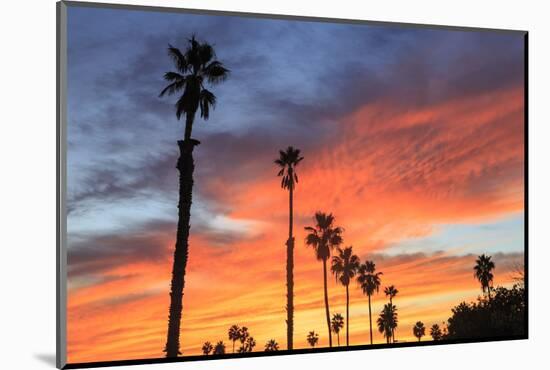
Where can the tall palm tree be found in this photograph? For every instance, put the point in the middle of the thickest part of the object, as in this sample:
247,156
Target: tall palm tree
207,348
387,321
324,237
337,324
219,348
369,281
483,273
436,332
391,291
345,266
196,67
234,334
419,330
312,338
271,346
287,161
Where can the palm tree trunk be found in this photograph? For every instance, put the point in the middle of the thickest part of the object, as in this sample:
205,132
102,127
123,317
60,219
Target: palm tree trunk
289,272
392,329
347,315
370,322
338,337
186,167
233,346
326,302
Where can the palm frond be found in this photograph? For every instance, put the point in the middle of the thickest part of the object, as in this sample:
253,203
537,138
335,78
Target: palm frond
215,72
207,101
173,88
173,76
206,52
181,106
313,240
179,59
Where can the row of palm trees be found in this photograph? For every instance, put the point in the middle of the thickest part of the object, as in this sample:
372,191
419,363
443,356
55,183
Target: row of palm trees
324,237
235,334
387,321
419,330
337,323
195,69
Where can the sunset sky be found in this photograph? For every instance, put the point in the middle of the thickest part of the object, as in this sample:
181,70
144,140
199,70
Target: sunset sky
412,138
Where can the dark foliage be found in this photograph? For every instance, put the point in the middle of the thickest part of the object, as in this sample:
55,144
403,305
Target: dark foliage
502,315
312,338
219,349
271,346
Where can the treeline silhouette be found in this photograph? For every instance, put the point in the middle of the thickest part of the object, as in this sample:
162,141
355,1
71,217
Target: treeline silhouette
500,314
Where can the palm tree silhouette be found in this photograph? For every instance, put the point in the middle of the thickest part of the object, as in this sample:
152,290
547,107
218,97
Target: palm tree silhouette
391,292
419,330
387,321
337,324
287,161
219,348
324,237
483,273
436,332
271,346
247,345
207,348
312,338
243,334
369,280
196,67
345,266
247,342
234,334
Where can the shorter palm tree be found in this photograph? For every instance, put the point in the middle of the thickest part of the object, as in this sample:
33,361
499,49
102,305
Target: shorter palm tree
243,334
391,292
436,332
271,346
219,348
345,266
387,322
369,281
248,345
483,273
247,341
323,238
207,347
234,334
419,330
312,338
337,324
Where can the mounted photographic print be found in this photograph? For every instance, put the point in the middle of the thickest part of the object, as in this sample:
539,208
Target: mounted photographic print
235,185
